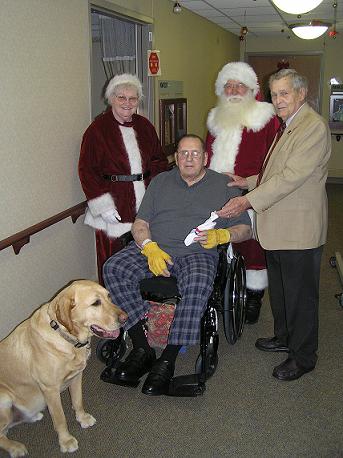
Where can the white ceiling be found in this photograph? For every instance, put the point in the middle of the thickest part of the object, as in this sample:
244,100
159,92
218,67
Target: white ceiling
260,16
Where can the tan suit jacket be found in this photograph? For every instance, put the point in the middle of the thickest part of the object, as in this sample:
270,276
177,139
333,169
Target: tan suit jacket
291,202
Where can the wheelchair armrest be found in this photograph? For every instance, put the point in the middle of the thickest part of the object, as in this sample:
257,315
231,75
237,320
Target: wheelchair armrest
126,238
159,289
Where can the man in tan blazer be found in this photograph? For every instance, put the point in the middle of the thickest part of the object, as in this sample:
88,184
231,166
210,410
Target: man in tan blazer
290,202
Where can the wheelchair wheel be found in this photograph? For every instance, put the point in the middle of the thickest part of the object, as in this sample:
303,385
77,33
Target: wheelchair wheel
108,351
208,344
211,359
235,300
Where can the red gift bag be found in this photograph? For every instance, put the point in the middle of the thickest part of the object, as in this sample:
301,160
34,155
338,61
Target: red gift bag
159,320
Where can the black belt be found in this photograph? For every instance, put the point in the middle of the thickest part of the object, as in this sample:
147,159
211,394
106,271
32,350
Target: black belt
137,177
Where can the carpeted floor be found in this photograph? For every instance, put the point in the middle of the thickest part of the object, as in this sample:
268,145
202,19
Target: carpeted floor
244,412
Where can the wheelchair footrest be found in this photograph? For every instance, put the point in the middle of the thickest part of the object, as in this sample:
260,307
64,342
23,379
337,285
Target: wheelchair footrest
108,376
187,386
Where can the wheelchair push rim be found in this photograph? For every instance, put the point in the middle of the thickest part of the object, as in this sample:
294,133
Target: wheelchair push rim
234,309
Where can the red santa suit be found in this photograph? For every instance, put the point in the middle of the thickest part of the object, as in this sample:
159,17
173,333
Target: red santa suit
110,148
240,148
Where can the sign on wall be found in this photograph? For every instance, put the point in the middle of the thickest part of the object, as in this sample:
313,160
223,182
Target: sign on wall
154,64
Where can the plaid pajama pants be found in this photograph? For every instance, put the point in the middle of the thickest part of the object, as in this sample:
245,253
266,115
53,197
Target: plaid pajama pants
195,275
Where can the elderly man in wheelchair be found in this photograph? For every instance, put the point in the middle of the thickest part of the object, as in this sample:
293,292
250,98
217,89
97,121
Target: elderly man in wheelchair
174,236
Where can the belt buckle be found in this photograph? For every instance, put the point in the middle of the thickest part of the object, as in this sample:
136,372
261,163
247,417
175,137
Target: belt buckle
114,178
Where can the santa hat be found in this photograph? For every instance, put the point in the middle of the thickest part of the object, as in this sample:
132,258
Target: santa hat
237,71
124,78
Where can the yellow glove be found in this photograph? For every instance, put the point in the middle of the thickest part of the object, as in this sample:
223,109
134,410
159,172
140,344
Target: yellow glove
156,258
216,237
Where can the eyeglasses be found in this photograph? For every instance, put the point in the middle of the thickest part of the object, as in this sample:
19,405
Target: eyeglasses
238,86
122,99
195,154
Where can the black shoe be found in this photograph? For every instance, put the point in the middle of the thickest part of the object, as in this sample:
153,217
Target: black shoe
270,344
138,363
158,380
253,306
290,370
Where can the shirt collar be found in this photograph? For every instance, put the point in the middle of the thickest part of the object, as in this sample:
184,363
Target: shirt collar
289,120
181,180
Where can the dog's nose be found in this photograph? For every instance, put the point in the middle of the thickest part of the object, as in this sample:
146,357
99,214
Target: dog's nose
123,317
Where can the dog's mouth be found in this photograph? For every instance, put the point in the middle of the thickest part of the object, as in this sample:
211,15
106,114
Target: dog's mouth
104,333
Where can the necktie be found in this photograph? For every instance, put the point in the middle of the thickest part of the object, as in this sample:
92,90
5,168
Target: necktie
277,138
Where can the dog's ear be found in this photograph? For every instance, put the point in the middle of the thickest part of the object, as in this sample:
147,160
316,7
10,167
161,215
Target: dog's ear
64,304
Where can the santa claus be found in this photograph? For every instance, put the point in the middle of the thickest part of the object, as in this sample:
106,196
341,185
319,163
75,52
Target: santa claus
120,153
241,130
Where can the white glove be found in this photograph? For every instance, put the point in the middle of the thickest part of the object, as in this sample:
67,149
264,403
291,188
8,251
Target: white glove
111,216
208,224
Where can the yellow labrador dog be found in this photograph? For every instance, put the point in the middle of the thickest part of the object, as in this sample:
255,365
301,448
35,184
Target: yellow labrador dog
46,354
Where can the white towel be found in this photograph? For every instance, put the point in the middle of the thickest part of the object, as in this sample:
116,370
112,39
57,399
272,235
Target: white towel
208,224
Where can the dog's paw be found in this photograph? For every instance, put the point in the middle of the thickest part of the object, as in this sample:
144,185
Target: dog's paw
37,417
69,445
86,420
17,449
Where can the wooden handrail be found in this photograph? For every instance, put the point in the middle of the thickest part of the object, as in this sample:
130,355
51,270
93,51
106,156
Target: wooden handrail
21,238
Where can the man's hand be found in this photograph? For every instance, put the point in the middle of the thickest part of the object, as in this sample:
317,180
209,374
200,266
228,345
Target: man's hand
213,237
237,181
111,216
157,259
234,207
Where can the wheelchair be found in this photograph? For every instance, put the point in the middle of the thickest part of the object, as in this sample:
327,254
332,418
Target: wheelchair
228,298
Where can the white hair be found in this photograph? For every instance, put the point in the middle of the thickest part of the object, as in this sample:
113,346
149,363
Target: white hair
125,79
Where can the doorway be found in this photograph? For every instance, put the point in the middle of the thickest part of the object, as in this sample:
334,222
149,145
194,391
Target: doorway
309,65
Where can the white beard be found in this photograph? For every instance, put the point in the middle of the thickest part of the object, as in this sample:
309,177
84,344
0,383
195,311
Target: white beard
226,123
233,111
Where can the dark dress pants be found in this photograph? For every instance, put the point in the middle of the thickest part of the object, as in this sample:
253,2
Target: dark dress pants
294,297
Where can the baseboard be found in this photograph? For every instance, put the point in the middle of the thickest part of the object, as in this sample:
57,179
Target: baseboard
334,173
334,180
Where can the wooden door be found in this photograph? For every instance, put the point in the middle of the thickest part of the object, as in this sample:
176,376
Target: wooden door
308,65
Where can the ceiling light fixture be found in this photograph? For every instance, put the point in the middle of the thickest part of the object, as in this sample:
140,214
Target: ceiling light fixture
296,6
243,33
309,30
177,8
333,32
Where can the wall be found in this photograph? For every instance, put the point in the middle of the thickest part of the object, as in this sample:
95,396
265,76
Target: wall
45,97
332,66
44,93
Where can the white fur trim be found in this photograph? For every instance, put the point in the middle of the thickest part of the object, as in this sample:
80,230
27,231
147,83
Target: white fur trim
112,230
101,204
257,279
139,192
116,230
225,149
131,146
228,136
259,115
237,71
135,160
93,217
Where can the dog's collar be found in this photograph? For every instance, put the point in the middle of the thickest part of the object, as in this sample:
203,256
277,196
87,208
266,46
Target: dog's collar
68,337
